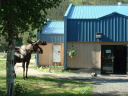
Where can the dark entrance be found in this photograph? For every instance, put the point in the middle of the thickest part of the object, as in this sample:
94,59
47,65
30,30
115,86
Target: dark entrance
113,59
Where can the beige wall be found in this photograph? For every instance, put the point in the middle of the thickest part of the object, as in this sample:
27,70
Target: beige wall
47,57
88,55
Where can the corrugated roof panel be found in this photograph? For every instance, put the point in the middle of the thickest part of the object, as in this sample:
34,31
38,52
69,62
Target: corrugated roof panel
95,11
54,27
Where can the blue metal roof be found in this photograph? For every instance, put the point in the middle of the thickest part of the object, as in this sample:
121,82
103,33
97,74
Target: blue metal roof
94,11
54,27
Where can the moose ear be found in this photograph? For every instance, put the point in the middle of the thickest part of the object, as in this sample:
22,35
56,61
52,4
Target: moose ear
29,41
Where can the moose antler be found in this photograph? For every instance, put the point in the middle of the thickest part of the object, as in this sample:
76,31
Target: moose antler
43,43
38,42
29,41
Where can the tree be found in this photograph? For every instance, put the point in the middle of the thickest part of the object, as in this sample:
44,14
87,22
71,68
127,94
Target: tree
17,17
58,13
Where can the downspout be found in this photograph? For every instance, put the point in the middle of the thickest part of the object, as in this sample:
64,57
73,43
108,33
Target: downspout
65,36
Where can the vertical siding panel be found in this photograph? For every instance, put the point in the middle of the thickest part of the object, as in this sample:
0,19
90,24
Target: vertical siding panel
127,29
84,30
107,28
104,27
111,32
93,39
114,26
123,27
82,33
90,31
96,30
125,36
120,29
69,30
101,27
75,30
117,29
78,31
98,27
94,27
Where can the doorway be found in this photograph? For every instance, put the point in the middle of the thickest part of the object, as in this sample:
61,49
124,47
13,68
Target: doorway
56,53
113,59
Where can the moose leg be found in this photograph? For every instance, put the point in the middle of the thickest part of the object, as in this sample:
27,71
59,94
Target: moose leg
27,69
23,65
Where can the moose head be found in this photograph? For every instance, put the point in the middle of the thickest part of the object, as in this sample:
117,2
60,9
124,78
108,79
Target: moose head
36,45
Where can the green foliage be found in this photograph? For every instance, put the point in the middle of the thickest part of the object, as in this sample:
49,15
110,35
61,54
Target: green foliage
58,12
71,52
3,47
19,41
19,16
97,2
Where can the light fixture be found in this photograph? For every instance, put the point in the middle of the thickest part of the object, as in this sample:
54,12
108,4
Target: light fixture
98,35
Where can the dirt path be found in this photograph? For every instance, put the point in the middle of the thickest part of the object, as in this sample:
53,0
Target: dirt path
33,72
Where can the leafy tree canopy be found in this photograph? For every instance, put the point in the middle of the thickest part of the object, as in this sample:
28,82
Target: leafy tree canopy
19,16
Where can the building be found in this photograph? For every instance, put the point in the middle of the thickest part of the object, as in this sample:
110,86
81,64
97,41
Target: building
99,35
53,34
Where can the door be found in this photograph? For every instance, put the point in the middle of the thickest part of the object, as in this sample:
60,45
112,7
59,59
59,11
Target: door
113,59
107,59
56,53
120,59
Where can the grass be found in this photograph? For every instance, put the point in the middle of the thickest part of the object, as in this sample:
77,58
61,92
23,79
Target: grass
2,54
45,86
2,65
52,69
3,61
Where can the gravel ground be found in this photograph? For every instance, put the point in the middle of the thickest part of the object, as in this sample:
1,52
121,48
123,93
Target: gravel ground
115,85
112,85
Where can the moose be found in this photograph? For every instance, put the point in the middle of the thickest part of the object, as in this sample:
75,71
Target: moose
23,54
